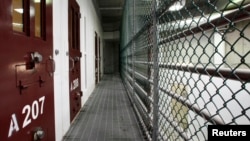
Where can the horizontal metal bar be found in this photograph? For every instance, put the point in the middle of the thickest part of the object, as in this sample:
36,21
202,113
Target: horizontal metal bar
140,107
163,9
220,21
142,48
143,97
144,83
144,63
129,78
143,112
142,53
142,124
144,78
110,8
126,47
144,28
219,72
141,76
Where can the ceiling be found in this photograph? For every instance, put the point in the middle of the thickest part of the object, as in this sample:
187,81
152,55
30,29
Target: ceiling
110,13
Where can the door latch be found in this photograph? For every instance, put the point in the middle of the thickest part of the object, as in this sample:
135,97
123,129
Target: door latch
32,58
39,134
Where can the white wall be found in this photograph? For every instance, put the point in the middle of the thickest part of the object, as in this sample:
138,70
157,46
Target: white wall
111,35
89,25
61,78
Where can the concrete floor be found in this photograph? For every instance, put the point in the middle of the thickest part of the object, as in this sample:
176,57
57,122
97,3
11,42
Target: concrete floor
106,116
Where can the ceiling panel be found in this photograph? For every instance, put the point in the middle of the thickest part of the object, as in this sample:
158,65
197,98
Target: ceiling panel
111,14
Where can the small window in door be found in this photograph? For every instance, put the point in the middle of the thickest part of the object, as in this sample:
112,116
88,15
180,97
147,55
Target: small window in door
39,18
28,17
18,15
74,26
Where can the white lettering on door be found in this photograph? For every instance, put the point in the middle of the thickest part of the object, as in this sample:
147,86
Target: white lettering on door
13,125
74,84
31,112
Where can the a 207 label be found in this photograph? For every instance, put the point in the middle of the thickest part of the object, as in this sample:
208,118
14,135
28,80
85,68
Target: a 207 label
31,111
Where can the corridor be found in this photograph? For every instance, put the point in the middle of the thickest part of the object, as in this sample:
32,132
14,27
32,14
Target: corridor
106,116
123,70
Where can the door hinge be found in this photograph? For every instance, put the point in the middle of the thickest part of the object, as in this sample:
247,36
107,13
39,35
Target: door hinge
80,54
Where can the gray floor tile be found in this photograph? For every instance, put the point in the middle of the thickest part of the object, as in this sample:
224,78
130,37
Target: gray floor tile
106,116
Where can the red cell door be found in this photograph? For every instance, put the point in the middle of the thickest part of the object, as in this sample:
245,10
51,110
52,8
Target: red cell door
97,59
74,59
26,75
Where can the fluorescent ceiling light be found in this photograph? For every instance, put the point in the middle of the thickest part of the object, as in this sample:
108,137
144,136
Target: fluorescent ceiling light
37,1
19,10
17,24
178,5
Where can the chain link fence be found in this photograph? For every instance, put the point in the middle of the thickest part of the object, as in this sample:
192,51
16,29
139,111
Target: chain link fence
186,65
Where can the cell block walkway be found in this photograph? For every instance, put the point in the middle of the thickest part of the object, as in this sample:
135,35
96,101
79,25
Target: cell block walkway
106,116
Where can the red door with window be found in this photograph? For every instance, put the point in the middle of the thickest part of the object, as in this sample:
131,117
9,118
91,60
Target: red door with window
27,66
97,59
74,59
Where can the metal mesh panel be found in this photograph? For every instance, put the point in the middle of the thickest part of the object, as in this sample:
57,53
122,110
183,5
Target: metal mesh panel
186,65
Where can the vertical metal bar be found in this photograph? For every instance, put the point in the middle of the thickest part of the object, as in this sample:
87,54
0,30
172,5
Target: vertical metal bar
155,73
133,47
